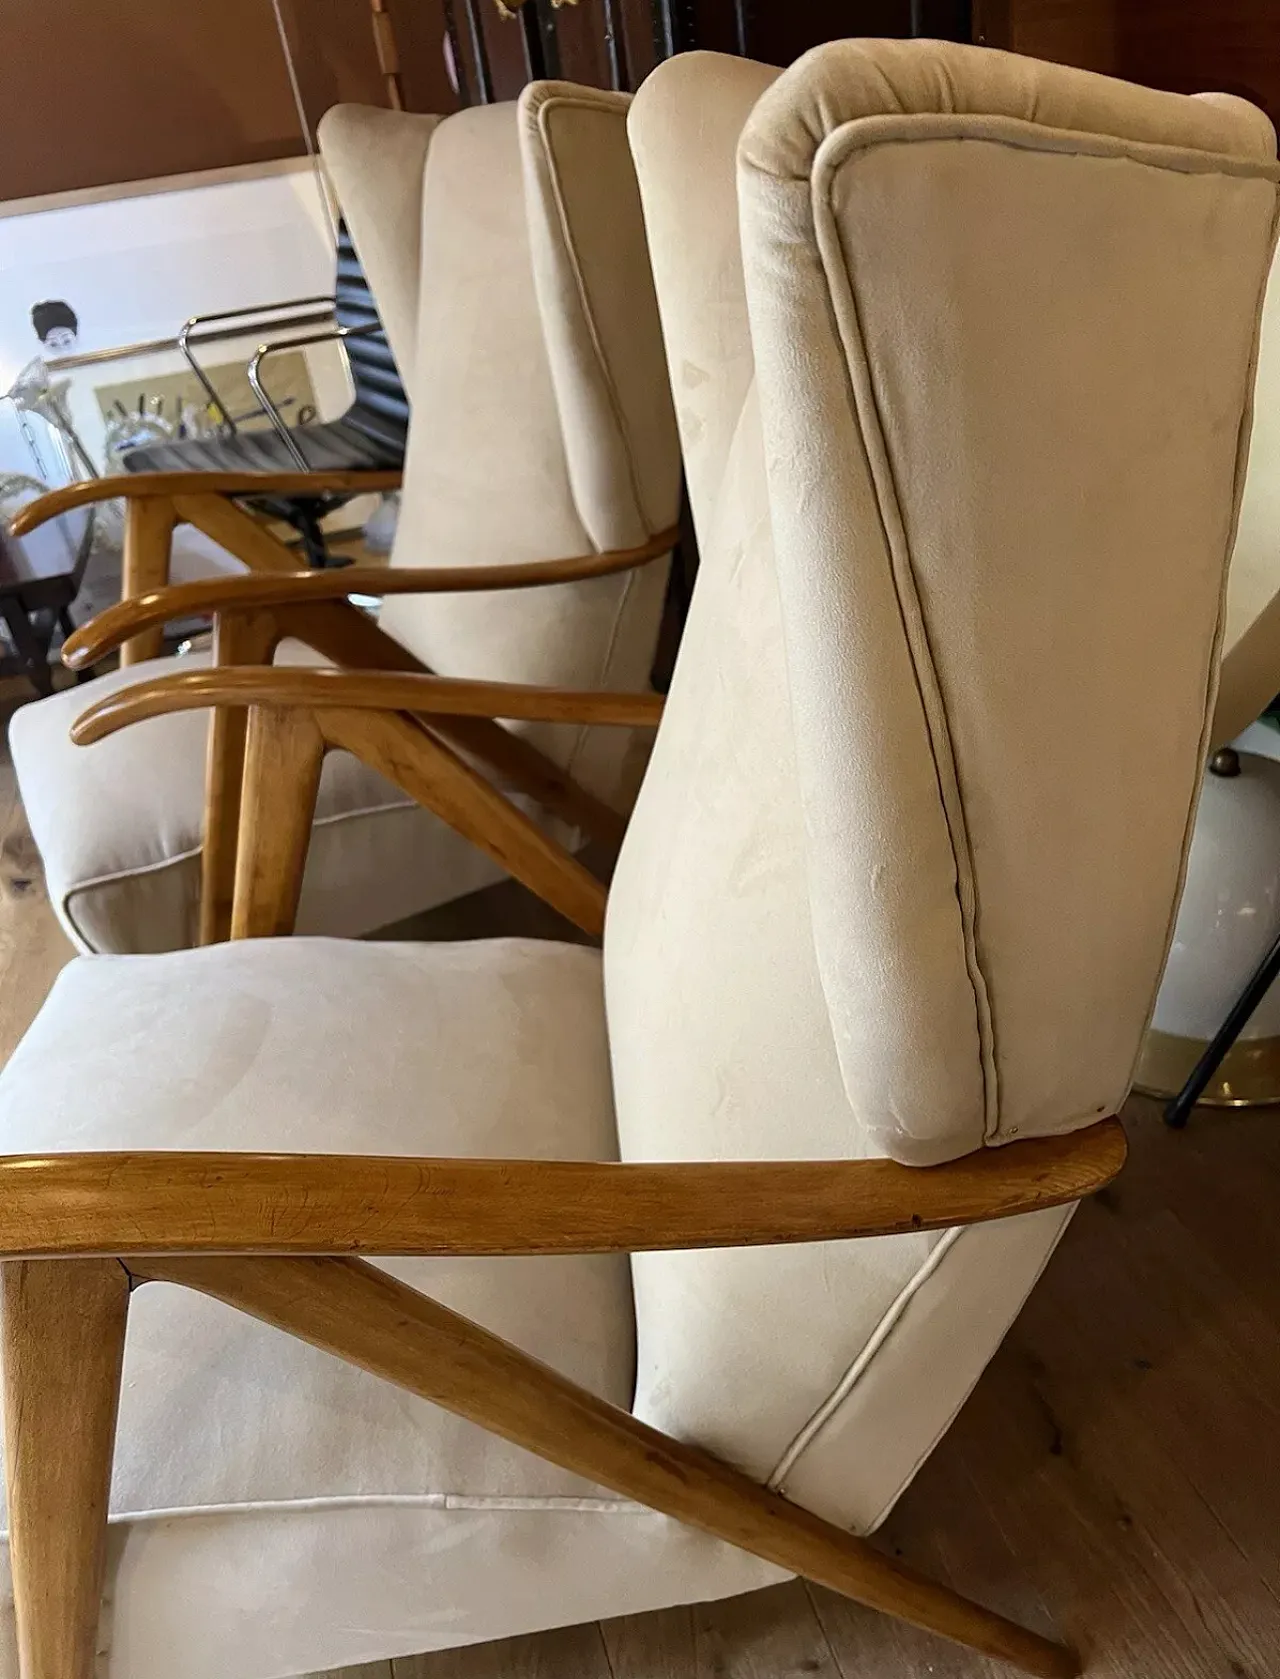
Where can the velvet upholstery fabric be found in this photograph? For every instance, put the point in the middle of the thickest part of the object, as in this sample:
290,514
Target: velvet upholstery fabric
964,433
375,160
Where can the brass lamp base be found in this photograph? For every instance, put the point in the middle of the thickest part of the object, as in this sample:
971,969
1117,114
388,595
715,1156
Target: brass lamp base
1249,1076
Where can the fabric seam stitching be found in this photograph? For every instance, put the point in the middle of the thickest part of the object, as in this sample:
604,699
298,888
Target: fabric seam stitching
863,1359
929,688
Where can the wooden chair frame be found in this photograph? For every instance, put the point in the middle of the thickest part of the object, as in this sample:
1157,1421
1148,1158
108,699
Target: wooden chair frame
284,1237
427,750
277,1237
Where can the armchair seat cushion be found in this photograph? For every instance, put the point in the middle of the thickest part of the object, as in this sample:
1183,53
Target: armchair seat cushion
276,1511
119,825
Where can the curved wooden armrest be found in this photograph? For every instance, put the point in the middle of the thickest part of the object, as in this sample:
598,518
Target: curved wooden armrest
358,690
168,1203
131,485
258,592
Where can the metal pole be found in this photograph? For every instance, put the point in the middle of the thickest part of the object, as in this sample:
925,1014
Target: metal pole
455,52
484,80
541,48
615,43
741,27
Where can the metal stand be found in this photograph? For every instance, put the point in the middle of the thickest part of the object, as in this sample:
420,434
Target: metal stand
1179,1110
1225,762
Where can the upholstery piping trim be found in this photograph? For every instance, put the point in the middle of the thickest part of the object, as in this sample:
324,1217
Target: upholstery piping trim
837,272
831,1406
870,1347
1068,1213
565,1504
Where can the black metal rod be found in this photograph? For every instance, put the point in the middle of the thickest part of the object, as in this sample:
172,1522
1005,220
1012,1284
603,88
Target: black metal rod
455,52
741,28
1179,1110
484,79
615,44
531,27
545,17
942,20
664,29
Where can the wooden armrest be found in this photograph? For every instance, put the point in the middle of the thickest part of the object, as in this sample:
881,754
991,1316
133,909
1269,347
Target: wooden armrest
131,485
168,1203
356,690
258,592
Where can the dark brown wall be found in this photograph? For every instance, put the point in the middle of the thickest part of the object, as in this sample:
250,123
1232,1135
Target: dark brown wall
1189,46
94,93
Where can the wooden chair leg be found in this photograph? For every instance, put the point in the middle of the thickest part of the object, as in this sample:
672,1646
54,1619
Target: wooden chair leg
284,751
239,638
350,1308
432,773
148,537
63,1324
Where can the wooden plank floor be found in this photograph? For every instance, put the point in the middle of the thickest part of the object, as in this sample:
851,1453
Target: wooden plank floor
1116,1472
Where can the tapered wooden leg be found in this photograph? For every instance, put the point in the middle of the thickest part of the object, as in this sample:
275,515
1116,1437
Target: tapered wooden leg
434,774
63,1327
349,1308
148,537
284,751
239,638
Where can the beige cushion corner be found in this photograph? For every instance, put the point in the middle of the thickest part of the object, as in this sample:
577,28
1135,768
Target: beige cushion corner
119,827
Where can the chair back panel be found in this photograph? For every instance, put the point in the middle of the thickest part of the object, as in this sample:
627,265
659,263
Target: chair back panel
1005,412
375,160
901,876
600,316
489,475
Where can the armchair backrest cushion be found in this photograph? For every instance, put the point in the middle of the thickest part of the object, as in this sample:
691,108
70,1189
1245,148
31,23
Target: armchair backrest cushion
965,468
375,159
541,418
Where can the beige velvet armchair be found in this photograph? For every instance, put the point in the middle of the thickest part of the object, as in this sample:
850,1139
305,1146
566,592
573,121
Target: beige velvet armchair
541,489
339,1229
